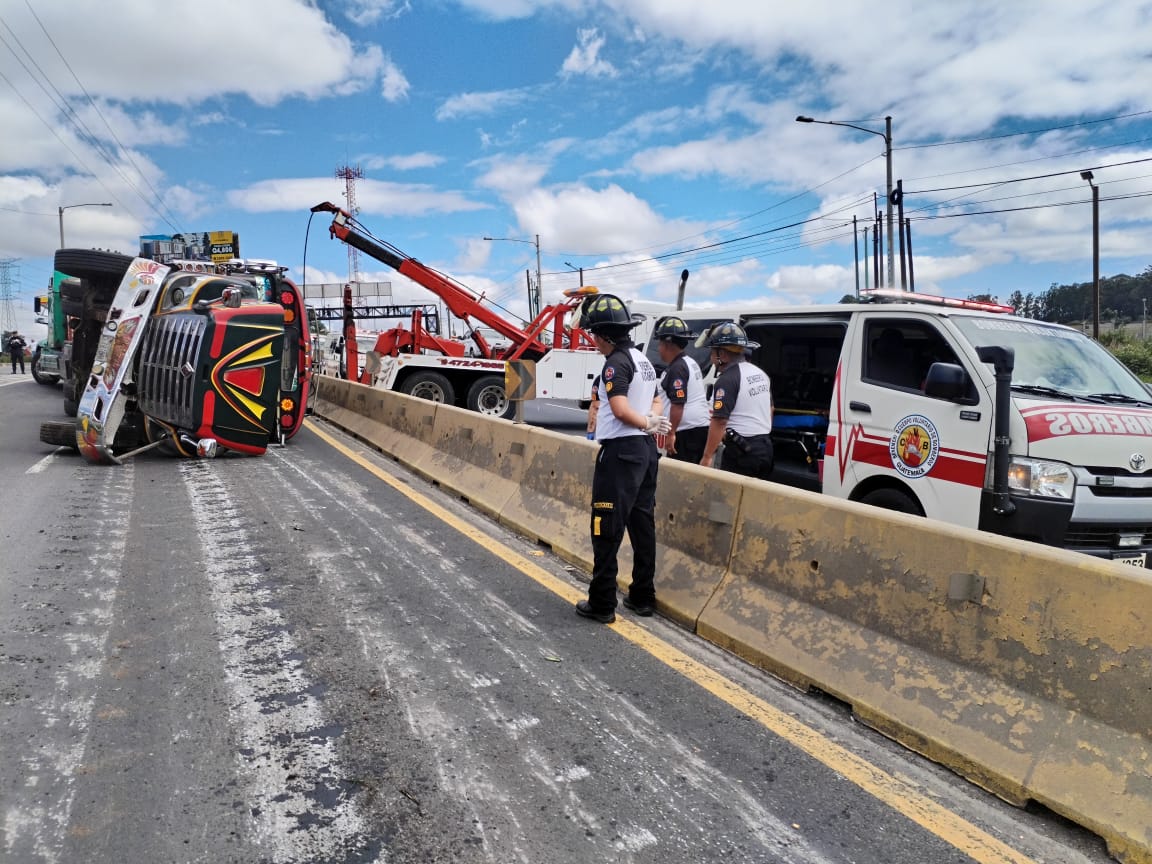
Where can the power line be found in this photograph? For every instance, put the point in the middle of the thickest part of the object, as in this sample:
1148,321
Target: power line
1017,134
124,150
1024,179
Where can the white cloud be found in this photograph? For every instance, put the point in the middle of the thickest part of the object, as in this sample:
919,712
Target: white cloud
372,196
584,59
409,162
477,104
311,57
366,12
588,221
394,86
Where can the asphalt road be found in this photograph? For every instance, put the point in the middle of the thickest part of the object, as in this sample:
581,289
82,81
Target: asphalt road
313,656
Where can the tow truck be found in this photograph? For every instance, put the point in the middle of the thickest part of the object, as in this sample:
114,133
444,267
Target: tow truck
423,364
187,356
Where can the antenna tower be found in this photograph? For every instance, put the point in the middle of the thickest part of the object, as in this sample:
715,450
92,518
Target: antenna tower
7,313
350,174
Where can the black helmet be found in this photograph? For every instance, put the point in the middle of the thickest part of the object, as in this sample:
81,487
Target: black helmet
730,336
606,314
675,330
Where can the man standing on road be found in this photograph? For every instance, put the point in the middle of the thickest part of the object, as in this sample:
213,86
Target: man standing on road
624,481
741,406
16,346
685,403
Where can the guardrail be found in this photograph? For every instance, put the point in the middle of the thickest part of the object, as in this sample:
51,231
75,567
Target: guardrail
1026,669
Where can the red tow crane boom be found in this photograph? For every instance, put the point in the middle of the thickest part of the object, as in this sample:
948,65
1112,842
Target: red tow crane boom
523,343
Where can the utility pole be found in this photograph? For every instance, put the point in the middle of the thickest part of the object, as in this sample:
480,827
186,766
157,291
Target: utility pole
856,255
1087,175
888,192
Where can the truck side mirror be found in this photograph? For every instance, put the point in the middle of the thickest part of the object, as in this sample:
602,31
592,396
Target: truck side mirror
38,304
947,381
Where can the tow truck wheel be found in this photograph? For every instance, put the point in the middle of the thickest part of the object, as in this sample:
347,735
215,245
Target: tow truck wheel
42,377
429,385
892,499
487,397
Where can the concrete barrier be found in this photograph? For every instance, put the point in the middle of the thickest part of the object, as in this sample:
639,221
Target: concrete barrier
552,501
478,458
1024,668
696,512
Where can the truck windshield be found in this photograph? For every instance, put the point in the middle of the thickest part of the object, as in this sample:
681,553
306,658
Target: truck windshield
1051,359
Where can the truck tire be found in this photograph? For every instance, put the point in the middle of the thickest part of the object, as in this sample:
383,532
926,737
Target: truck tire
41,377
429,385
892,499
487,396
72,299
92,264
60,433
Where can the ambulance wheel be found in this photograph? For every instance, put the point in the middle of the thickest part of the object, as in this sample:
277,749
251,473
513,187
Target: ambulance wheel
429,385
892,499
486,396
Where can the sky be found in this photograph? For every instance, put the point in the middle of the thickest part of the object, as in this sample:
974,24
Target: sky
634,138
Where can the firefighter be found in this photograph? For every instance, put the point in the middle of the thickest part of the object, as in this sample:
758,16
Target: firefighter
741,406
624,481
685,403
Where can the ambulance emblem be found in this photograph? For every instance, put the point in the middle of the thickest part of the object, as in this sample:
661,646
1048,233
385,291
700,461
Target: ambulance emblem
915,446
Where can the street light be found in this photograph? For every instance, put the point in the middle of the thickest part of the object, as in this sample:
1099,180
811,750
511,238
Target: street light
1088,175
69,207
532,313
579,270
887,136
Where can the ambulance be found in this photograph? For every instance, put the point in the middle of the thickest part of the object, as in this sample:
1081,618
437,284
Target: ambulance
960,411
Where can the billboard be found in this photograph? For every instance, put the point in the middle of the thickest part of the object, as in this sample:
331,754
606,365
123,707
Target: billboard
215,246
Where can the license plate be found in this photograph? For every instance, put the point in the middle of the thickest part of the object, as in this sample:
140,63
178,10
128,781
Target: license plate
1131,560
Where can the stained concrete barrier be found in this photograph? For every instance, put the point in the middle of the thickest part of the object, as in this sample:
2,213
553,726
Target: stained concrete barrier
1024,668
482,462
552,501
696,511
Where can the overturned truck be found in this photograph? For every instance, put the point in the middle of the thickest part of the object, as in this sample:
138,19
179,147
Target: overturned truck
188,357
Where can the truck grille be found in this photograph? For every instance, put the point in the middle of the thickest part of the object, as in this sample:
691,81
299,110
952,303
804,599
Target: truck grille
167,382
1085,535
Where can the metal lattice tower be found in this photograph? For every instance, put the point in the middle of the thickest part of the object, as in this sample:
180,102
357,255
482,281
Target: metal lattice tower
8,277
350,174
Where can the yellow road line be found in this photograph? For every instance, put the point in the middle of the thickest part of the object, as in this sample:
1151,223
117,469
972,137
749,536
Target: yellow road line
901,795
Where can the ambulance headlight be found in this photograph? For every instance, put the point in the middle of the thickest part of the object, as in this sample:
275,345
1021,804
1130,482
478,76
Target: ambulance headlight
1040,478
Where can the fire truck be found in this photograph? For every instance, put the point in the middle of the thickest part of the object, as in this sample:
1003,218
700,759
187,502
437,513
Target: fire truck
189,356
423,364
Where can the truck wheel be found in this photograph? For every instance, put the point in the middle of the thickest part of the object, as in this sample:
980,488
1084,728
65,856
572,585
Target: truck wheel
487,397
41,377
61,433
429,385
892,499
92,264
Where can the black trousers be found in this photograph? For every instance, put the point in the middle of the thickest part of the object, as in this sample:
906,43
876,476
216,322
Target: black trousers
624,499
690,445
755,461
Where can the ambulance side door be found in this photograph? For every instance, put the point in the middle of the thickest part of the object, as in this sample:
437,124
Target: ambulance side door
898,447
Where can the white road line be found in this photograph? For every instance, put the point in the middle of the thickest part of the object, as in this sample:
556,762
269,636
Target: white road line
43,464
285,753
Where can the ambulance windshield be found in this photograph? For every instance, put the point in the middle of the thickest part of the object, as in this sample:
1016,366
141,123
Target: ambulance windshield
1055,361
